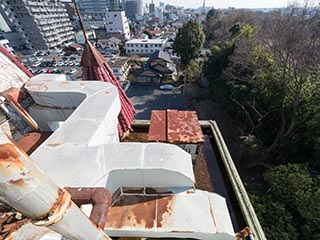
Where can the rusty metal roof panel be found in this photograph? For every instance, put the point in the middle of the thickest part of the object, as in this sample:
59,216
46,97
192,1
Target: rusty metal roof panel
183,127
158,126
171,216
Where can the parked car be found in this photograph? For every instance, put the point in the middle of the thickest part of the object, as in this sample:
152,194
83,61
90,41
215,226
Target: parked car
49,70
72,71
31,70
166,87
36,64
56,70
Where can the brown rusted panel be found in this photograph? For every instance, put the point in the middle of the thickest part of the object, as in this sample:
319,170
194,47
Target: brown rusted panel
164,209
135,211
99,214
158,126
183,127
100,198
31,141
14,94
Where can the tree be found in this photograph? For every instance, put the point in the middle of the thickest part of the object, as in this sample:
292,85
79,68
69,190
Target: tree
189,41
148,33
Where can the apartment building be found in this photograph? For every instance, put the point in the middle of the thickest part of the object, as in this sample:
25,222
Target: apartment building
117,23
145,46
42,24
98,9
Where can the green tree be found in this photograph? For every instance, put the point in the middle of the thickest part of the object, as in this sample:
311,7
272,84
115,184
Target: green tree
298,191
148,33
189,41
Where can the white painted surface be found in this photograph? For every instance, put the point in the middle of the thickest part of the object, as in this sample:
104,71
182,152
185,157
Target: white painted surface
77,154
188,215
10,74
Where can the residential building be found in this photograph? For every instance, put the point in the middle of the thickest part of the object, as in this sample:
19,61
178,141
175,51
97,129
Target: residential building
80,37
157,69
5,43
120,67
41,24
111,44
117,22
99,9
145,46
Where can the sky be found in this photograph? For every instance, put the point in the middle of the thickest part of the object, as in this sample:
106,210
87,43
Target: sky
233,3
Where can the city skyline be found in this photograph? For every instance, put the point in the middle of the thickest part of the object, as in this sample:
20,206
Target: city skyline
235,3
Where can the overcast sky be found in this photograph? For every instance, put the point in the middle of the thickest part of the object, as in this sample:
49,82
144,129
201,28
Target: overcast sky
233,3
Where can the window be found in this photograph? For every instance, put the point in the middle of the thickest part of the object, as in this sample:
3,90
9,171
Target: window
146,46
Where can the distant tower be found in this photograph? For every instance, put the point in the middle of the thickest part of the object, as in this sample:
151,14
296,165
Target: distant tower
204,5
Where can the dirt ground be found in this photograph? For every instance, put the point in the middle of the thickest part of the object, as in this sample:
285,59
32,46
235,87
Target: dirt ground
198,99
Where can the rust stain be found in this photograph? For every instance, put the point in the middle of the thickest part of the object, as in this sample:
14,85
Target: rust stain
133,211
164,209
65,83
53,144
9,156
19,182
106,92
81,84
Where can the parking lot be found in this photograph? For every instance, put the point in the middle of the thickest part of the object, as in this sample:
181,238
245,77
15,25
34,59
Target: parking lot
148,97
54,62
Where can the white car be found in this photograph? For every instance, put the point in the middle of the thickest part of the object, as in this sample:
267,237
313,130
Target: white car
36,64
72,71
166,87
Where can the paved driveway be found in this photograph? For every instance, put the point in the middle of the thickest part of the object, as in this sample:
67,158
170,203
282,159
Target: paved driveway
146,97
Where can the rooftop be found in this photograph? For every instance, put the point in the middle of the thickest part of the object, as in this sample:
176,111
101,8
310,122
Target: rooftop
118,62
152,184
156,41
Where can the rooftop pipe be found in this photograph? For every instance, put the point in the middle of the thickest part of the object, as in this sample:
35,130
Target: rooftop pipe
24,187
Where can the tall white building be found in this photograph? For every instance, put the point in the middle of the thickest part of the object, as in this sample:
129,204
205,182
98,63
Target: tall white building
98,8
117,22
41,24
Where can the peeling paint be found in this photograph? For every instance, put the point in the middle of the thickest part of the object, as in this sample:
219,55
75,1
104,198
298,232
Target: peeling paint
9,159
19,182
144,211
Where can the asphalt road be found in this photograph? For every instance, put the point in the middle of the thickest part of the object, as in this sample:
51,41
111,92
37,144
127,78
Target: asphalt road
147,97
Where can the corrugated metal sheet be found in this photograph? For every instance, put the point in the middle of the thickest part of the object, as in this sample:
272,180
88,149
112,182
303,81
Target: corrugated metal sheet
174,126
158,126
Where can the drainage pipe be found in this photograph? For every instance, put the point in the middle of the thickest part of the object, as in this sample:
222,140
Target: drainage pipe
24,187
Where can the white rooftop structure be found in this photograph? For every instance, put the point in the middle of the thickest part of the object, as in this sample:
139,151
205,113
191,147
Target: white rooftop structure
84,151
